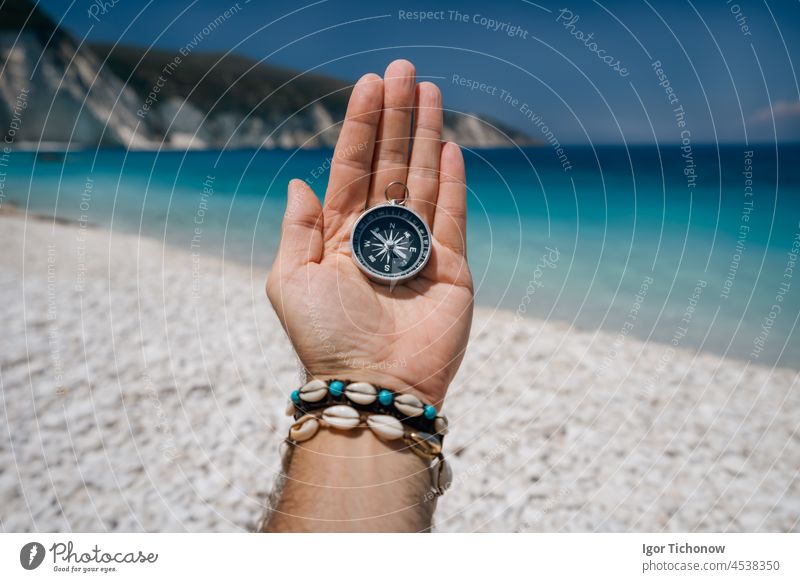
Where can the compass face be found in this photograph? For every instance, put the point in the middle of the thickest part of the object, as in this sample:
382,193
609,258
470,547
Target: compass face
391,243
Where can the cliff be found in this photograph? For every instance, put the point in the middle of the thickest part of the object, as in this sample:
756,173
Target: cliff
85,96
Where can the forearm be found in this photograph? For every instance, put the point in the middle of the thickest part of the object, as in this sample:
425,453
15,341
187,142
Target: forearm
353,481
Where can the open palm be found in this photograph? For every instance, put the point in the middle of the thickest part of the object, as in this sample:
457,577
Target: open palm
410,337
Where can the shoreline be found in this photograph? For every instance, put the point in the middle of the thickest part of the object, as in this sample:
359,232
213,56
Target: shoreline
69,148
10,209
148,394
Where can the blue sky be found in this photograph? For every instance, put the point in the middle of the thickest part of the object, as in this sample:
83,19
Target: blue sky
730,65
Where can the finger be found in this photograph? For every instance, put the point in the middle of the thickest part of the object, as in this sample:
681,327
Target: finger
390,161
352,159
301,232
450,220
423,169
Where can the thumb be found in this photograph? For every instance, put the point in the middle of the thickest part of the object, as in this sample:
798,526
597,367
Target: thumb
301,233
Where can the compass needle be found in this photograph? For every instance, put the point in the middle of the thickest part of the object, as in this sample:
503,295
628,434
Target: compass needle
391,243
378,236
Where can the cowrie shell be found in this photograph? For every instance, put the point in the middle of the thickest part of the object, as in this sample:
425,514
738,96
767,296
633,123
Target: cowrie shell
422,443
385,426
441,425
290,409
341,416
442,476
314,391
304,429
361,392
408,404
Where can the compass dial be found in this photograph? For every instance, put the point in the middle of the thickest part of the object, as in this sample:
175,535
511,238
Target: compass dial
391,243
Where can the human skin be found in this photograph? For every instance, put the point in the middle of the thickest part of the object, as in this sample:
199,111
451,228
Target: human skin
410,338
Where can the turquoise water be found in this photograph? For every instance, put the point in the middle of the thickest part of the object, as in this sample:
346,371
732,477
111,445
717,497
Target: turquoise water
623,240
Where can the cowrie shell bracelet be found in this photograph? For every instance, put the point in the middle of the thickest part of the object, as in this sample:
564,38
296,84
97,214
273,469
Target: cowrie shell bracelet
365,397
343,405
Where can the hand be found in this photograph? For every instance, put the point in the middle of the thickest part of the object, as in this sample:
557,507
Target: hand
411,337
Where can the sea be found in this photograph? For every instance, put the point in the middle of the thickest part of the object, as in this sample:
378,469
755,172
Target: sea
695,248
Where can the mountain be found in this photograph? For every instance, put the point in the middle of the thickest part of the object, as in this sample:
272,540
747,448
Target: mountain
138,98
60,94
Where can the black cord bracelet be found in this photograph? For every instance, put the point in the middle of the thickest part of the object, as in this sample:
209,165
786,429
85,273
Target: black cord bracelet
364,397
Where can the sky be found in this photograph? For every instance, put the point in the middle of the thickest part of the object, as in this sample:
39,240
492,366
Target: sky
599,72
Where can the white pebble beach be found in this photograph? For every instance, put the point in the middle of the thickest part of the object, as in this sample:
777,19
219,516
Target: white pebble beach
144,389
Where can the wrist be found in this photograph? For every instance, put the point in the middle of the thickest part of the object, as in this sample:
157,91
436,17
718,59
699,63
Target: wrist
353,481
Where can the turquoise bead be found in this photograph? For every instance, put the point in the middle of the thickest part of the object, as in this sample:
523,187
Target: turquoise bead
429,412
336,388
296,397
385,397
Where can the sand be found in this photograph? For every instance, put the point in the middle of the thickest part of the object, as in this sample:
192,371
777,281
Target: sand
144,387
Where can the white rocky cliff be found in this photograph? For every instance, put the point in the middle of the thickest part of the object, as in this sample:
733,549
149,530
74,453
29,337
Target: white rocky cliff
82,96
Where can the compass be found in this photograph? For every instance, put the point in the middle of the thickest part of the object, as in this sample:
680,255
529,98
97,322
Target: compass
391,243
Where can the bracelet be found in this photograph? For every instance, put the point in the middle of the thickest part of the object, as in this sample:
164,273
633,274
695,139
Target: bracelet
318,404
342,417
362,396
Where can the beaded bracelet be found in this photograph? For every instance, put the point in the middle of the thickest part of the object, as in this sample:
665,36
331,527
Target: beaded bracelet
362,396
318,404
